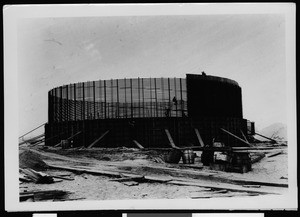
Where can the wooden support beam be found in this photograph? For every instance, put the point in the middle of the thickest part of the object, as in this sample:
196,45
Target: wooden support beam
32,130
97,140
199,138
170,139
238,138
74,135
266,137
57,145
32,139
138,144
245,138
68,139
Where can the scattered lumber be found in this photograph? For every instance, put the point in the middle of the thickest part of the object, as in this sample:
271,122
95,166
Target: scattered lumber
228,187
229,194
97,140
274,154
44,195
91,171
238,138
158,160
25,197
23,178
199,138
138,144
37,177
62,177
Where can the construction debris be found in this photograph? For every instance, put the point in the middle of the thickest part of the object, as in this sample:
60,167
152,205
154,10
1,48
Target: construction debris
37,177
44,195
143,167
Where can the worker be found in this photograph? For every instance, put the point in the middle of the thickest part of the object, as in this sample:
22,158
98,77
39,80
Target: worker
174,100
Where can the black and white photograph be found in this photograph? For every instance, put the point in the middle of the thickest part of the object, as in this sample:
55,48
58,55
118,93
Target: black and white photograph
142,106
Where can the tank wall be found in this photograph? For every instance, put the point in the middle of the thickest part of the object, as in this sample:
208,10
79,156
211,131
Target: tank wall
122,98
213,97
150,132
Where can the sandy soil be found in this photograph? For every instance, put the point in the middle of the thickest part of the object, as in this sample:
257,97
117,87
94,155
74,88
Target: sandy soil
91,187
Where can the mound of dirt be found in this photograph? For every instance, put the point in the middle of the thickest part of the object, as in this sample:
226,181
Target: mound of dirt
29,159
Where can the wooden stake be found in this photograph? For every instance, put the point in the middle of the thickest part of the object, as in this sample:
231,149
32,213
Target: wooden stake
170,139
138,144
244,136
97,140
199,137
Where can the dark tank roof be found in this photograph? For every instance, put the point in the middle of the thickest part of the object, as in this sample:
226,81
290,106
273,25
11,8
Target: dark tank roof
203,76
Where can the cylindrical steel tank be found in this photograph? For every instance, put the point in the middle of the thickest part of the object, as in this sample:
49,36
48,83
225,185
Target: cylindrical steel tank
142,109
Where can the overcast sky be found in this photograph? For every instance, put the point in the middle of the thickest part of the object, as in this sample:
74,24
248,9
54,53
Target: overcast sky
249,49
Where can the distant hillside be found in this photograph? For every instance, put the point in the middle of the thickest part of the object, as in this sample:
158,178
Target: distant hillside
277,131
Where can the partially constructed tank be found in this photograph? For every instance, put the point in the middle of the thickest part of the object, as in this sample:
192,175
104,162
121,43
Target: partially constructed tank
153,112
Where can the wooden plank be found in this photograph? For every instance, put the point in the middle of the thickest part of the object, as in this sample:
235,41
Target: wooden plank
97,140
214,195
223,186
266,137
61,177
158,179
274,154
171,142
138,144
95,172
238,138
199,137
255,148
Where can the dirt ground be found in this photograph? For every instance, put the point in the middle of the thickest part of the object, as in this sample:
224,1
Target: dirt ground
86,186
